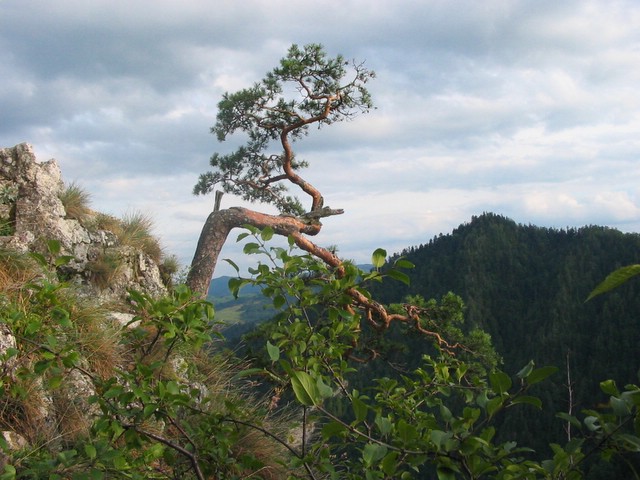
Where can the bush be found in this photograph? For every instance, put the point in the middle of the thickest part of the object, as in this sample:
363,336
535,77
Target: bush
96,400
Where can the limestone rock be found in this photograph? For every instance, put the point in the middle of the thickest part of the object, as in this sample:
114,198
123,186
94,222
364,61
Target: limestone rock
7,341
31,214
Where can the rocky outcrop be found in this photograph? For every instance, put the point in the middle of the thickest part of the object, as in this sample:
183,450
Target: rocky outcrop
100,265
31,214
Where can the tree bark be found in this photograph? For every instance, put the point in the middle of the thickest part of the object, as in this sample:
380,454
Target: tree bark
216,229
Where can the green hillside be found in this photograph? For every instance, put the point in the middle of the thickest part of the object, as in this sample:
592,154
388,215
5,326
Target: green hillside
526,286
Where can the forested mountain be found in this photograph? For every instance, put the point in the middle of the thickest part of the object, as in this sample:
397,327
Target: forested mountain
526,286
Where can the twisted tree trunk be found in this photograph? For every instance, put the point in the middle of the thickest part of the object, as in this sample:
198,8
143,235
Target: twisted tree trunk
216,230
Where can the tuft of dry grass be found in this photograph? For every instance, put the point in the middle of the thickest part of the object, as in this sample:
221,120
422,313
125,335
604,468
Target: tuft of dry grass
104,269
96,337
134,230
168,269
217,371
137,231
76,201
16,270
24,414
72,419
103,221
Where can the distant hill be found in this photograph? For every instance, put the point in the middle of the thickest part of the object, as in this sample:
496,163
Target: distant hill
238,315
242,314
526,286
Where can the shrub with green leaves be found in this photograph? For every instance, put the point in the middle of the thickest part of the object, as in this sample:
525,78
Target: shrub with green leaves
166,406
164,409
436,421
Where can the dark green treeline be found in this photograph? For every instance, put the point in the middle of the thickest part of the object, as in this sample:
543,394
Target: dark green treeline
526,286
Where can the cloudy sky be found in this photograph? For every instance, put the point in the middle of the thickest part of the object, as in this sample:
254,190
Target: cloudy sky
530,109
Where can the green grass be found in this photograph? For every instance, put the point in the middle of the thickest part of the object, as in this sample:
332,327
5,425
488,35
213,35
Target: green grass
76,201
137,232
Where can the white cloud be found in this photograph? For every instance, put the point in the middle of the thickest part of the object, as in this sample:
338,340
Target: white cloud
528,109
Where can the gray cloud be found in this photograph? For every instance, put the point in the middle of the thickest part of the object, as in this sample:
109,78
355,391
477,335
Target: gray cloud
530,109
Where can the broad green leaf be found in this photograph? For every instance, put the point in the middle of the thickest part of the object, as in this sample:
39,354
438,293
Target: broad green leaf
253,229
574,445
61,316
500,382
250,248
149,409
609,387
619,407
90,451
401,277
445,413
438,437
235,284
539,374
266,234
615,279
48,355
372,453
172,387
273,351
54,382
631,396
333,429
38,257
278,301
384,425
406,432
403,263
9,473
324,390
482,399
526,370
632,442
494,405
54,247
379,257
62,260
592,423
389,463
488,433
120,463
233,264
359,409
445,473
305,388
569,418
536,402
71,359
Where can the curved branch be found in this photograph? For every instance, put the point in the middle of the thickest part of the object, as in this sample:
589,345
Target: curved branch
216,229
165,441
375,313
220,223
314,193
